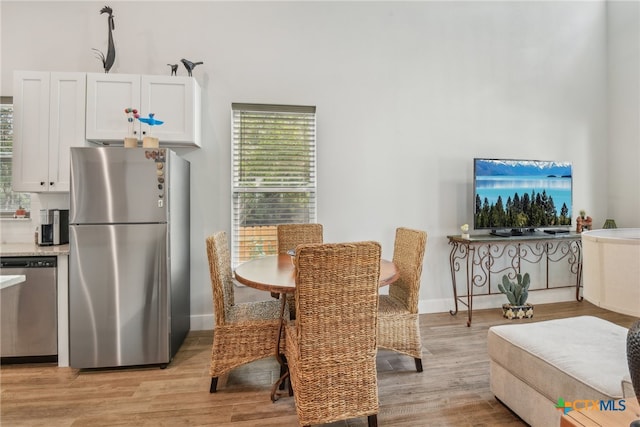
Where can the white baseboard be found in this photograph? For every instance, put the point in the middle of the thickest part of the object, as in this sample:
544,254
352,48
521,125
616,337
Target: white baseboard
205,322
202,322
480,302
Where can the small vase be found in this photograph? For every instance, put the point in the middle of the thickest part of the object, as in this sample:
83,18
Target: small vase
633,356
609,223
465,235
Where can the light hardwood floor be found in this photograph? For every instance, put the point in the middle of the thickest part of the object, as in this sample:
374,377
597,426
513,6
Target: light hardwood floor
453,390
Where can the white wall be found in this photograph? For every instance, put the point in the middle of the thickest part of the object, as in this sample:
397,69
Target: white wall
406,93
623,47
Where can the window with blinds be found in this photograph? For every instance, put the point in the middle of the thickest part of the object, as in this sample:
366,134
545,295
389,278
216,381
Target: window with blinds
274,174
9,201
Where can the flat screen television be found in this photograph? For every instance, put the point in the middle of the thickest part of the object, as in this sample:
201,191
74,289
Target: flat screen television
515,197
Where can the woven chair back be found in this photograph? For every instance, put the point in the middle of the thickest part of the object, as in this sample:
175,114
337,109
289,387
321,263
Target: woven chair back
292,235
408,256
221,274
337,301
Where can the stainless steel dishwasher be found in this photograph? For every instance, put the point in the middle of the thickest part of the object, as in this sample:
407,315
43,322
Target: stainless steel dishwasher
28,309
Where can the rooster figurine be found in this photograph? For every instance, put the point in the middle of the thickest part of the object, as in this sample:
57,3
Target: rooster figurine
107,62
190,65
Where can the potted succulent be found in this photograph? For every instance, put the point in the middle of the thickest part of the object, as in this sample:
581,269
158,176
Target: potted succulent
517,294
20,212
583,222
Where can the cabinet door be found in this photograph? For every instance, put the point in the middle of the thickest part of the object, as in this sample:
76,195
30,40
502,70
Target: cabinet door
66,129
30,131
108,95
175,101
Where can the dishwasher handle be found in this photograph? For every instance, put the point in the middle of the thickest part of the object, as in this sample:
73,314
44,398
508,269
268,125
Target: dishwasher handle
28,262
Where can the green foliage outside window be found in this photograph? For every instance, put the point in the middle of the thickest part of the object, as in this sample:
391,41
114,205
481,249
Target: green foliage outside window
9,200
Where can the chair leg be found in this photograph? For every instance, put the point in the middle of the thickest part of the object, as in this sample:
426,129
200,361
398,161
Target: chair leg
418,364
214,385
283,370
373,420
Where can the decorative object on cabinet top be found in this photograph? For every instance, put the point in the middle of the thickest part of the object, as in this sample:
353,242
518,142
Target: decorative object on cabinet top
190,65
174,69
107,62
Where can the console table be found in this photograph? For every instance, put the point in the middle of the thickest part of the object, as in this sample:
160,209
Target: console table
476,255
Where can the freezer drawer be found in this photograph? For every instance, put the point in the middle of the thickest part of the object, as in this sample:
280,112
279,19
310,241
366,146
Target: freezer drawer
28,309
118,299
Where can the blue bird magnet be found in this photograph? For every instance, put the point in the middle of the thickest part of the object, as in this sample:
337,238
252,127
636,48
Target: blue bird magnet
151,120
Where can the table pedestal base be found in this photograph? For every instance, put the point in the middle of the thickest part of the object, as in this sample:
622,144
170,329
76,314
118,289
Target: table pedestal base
284,368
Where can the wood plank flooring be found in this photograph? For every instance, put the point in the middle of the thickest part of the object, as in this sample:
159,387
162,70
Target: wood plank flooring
453,390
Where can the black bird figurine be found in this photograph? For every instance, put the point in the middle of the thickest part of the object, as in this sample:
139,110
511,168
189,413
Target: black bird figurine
174,69
190,65
107,62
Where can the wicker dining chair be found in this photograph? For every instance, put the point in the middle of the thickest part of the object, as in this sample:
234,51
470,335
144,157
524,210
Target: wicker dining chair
243,332
398,326
292,235
331,345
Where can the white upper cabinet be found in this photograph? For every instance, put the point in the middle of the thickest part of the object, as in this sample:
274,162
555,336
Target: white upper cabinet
108,95
175,100
48,119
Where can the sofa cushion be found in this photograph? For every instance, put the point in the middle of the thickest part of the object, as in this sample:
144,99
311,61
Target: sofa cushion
575,358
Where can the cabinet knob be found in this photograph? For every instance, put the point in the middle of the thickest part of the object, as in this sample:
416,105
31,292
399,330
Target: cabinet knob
41,182
51,183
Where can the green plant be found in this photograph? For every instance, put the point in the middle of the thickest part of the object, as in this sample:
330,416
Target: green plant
517,293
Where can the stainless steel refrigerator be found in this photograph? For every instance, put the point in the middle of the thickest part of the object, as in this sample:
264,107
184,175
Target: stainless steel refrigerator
129,256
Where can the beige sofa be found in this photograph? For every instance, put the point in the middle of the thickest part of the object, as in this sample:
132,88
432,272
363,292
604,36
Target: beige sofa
532,365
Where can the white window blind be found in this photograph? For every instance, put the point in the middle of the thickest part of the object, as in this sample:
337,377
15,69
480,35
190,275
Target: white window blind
9,201
274,174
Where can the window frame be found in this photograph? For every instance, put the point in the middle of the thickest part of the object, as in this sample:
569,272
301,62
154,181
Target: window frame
6,157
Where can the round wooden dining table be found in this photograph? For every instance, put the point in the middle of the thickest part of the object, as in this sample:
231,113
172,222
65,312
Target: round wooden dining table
276,273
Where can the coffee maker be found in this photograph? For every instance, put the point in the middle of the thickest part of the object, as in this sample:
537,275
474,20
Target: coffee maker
54,227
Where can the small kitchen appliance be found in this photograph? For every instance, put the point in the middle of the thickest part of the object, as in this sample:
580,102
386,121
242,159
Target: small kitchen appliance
54,227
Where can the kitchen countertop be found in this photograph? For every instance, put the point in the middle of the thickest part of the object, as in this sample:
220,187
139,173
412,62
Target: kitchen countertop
31,249
6,281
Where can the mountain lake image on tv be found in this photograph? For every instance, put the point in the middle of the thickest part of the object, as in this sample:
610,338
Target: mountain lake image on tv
521,195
